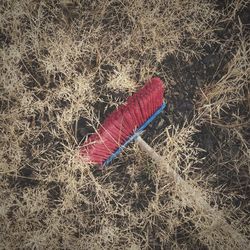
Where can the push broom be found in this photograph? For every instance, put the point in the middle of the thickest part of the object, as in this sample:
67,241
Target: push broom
125,124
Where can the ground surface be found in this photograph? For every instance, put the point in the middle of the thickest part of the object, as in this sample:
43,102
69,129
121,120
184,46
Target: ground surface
65,66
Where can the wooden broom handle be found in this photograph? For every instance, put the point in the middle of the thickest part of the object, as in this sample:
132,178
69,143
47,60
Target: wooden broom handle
227,228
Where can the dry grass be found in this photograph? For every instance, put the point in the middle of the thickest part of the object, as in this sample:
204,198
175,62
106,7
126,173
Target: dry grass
64,60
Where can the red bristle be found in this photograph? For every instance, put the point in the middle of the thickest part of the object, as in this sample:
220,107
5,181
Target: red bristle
103,149
131,104
120,124
148,100
112,136
150,95
127,125
154,101
143,102
129,121
130,107
138,113
114,127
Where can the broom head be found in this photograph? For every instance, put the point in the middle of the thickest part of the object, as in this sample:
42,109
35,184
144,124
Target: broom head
121,124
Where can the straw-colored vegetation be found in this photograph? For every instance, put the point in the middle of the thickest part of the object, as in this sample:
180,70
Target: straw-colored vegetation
66,60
